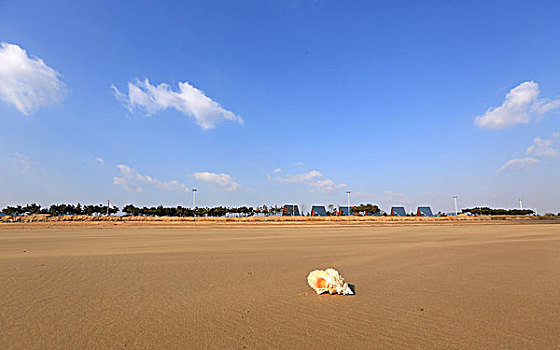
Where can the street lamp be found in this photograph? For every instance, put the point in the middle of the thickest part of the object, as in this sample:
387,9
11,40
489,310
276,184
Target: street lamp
348,200
455,201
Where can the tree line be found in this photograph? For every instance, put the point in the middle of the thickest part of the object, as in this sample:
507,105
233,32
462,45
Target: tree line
490,211
60,209
185,212
131,210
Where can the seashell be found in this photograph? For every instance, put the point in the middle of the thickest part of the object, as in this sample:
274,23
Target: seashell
328,280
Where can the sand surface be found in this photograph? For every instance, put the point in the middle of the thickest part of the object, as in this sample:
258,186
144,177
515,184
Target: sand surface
426,287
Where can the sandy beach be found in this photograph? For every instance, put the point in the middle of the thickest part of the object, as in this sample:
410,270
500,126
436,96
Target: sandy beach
244,287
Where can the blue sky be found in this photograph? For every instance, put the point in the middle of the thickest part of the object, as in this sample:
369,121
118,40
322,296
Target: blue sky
253,102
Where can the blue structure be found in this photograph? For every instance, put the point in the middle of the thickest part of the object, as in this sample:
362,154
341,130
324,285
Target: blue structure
424,211
318,210
291,210
398,211
343,211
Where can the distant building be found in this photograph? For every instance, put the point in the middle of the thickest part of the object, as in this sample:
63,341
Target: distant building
291,210
398,211
424,211
318,210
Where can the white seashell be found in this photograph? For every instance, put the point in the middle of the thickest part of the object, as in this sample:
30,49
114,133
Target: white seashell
328,280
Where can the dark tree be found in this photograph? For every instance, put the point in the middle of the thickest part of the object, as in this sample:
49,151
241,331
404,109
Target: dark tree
368,209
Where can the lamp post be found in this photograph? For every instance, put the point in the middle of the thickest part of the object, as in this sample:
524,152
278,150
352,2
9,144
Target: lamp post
348,200
455,201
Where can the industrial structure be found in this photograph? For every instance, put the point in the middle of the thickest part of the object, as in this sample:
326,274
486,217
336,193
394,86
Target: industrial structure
318,210
291,210
424,211
398,211
343,211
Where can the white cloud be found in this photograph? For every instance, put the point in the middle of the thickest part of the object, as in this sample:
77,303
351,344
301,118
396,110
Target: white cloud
131,174
277,170
313,178
327,185
188,100
539,149
299,163
24,162
544,106
519,105
518,164
395,197
119,181
100,160
27,82
543,147
387,199
301,178
218,181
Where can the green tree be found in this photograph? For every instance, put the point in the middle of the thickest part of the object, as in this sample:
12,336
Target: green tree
368,209
31,209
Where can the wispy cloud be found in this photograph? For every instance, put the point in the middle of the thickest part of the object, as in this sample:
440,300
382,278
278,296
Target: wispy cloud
133,175
27,82
301,178
540,148
313,178
277,170
396,197
543,106
188,100
543,147
520,104
23,161
518,164
222,182
119,181
100,160
327,185
386,199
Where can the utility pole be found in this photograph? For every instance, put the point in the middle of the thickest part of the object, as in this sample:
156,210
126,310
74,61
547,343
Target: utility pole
455,201
108,207
348,200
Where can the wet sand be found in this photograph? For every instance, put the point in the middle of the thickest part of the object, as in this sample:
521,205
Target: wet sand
244,287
